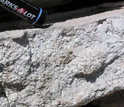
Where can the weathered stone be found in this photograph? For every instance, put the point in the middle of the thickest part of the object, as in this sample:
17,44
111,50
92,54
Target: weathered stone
66,65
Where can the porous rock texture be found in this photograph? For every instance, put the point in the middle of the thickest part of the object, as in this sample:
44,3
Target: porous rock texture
62,66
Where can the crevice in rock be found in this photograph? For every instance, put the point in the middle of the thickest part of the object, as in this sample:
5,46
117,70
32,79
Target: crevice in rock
16,87
1,67
115,99
3,94
92,77
2,91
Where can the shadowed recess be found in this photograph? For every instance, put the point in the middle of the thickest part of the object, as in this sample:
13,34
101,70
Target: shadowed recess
115,99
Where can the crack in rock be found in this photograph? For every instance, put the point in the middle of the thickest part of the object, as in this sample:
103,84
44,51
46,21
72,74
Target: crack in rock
1,67
3,94
93,76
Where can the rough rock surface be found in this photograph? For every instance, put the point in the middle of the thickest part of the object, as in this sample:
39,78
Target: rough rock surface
60,66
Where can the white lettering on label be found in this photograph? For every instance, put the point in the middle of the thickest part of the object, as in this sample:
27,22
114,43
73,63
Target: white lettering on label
16,8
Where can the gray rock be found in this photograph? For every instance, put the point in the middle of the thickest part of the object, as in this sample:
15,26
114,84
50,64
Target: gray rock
62,66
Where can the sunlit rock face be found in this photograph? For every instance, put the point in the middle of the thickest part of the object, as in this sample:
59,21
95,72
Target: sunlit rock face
68,64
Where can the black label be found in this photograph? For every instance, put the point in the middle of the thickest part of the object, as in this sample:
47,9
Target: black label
21,8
